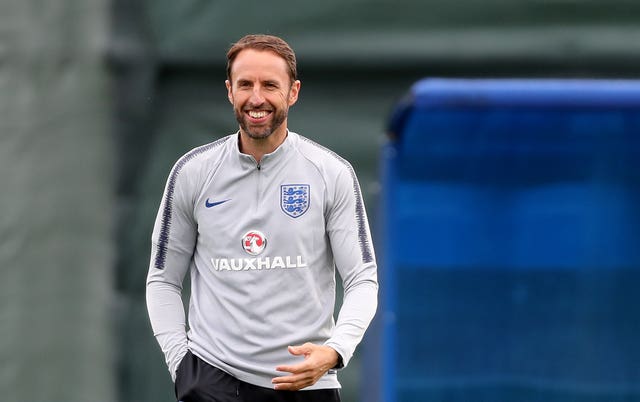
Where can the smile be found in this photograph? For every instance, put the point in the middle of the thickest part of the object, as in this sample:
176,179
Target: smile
257,114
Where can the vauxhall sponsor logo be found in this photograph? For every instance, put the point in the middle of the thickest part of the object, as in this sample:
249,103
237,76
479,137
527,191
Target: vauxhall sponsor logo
246,264
254,242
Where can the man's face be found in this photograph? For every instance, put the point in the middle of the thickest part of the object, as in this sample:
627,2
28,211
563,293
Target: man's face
261,92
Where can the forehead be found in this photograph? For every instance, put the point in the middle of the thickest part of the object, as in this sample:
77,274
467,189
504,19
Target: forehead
253,64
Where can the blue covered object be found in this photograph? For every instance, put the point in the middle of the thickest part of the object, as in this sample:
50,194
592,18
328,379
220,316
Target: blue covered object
509,243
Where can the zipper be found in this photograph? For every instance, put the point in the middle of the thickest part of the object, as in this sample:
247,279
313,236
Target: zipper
258,186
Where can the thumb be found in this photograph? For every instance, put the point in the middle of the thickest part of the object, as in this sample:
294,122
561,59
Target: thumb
299,350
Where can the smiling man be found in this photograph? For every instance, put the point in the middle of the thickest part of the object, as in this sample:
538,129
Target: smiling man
261,93
261,219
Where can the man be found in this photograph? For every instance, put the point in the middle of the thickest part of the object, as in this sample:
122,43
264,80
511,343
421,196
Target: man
261,218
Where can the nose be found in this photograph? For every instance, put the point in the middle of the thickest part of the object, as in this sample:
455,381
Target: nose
256,98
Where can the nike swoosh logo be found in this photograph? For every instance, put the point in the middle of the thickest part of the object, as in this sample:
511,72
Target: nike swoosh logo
213,204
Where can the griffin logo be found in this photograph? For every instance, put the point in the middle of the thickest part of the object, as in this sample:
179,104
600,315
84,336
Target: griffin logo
254,242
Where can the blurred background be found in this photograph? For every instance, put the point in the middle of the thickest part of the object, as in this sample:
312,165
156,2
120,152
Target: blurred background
98,98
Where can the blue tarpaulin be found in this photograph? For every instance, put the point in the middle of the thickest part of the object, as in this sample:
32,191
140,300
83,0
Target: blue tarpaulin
510,243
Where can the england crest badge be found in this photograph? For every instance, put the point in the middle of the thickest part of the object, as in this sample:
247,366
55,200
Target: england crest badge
294,199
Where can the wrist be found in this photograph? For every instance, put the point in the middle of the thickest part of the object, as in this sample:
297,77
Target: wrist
338,362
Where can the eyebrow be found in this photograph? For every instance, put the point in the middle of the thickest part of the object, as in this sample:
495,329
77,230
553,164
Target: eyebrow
241,81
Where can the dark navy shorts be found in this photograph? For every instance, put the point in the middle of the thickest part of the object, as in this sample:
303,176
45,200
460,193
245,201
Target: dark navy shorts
198,381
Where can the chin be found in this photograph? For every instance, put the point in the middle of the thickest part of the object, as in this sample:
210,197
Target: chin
258,136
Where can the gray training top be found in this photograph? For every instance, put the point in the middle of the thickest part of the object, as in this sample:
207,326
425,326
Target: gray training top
262,242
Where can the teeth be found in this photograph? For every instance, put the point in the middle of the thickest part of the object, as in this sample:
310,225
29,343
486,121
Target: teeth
257,114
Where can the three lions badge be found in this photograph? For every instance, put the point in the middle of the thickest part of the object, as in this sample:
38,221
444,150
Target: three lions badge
294,199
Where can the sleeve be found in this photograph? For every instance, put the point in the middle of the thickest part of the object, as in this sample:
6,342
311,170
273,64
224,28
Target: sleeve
351,244
173,241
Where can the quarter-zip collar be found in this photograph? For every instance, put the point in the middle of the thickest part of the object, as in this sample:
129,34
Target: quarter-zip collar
267,160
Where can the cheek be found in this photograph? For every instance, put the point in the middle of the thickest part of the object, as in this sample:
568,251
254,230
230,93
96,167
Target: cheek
285,98
236,100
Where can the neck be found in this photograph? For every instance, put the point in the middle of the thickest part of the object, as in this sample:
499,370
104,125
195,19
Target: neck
258,147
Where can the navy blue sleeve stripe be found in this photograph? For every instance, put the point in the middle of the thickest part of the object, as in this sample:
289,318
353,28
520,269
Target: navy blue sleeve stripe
363,238
167,211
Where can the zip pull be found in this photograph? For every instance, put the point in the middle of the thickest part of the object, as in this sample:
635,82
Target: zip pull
258,166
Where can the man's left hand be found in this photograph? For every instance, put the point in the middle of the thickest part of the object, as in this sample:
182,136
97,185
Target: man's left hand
318,359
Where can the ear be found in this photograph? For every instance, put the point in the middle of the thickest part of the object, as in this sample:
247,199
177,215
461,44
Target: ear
294,92
227,83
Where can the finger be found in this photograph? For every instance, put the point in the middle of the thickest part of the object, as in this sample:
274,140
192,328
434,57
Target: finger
289,387
286,379
293,382
296,368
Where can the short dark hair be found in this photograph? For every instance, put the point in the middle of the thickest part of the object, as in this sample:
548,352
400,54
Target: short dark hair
264,43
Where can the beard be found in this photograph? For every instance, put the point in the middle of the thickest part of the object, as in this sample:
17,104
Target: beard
263,130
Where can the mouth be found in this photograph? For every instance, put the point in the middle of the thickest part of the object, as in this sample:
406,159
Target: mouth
258,115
